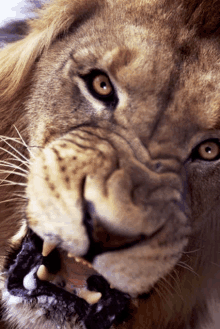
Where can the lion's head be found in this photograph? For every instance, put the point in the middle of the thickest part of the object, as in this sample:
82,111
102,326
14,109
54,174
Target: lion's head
110,148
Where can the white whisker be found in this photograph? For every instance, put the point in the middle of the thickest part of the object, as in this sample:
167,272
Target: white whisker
160,294
173,287
14,139
8,183
12,165
22,196
19,160
163,295
13,155
187,267
192,251
24,143
9,200
12,173
164,284
14,149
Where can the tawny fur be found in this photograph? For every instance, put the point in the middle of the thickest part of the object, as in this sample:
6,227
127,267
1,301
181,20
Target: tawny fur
180,298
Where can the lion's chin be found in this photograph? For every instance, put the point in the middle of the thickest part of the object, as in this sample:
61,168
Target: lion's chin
61,286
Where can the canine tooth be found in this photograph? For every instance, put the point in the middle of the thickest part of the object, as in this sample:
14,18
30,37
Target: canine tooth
19,236
47,248
43,274
91,297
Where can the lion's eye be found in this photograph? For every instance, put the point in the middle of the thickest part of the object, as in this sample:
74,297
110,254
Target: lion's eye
102,85
209,150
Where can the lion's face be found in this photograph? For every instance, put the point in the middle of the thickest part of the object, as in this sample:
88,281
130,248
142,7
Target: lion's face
112,167
123,165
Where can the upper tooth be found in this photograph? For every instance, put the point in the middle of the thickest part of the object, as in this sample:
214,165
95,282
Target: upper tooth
83,261
43,274
70,255
47,248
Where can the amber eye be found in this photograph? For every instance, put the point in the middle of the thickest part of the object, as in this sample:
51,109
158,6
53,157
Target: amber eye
209,150
102,85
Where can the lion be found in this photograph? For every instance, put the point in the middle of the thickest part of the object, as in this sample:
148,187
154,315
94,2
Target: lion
110,166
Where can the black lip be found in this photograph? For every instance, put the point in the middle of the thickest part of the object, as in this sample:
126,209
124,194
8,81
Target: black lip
96,248
100,315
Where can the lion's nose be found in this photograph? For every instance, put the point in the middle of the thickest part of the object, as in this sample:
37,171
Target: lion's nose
133,201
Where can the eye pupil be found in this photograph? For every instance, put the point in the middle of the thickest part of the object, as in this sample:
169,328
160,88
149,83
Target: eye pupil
208,149
103,85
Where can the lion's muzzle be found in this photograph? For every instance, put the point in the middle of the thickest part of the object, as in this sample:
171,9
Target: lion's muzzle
92,199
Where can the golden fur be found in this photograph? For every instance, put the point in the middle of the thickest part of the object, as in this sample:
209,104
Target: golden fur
132,164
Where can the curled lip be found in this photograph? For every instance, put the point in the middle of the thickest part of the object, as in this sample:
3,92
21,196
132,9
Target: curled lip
102,241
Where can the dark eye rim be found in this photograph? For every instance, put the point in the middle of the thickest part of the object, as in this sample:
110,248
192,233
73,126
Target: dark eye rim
195,152
110,99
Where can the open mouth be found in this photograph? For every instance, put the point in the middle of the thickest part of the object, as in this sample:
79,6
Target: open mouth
63,286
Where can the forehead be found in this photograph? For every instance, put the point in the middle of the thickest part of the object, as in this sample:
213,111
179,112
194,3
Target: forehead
152,59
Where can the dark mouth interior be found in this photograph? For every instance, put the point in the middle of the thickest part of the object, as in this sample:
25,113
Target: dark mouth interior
105,240
110,308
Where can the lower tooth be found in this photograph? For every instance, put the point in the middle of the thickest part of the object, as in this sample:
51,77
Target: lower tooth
91,297
43,274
